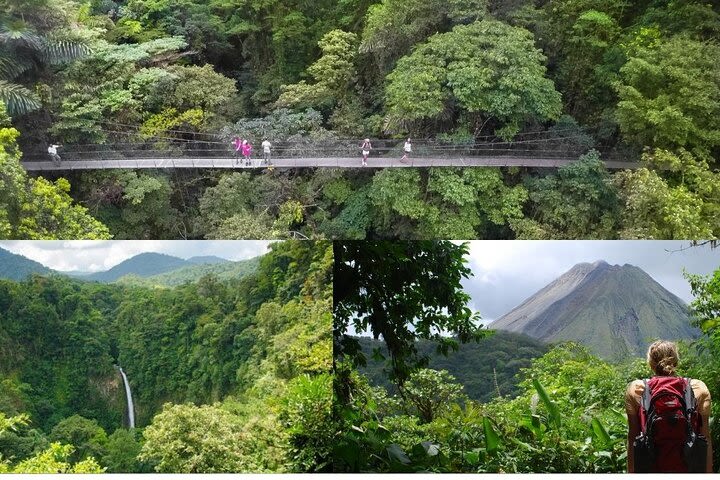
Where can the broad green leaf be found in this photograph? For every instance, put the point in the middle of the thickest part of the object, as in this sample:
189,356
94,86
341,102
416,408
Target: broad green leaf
553,412
492,439
600,434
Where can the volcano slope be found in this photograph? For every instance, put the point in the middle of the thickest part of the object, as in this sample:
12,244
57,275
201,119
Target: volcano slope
614,310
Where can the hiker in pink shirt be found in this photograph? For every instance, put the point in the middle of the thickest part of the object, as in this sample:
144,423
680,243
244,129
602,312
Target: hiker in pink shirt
246,151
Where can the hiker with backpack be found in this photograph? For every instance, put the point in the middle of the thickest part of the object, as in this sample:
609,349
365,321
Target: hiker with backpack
668,418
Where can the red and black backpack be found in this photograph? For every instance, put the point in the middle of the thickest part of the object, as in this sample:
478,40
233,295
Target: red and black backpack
670,439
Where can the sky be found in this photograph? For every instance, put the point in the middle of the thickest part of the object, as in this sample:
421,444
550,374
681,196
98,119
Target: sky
508,272
98,256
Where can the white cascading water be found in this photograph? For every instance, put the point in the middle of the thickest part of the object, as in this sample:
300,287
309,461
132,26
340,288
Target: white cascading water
128,394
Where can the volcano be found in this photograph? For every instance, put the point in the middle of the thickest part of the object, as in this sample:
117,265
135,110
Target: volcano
616,311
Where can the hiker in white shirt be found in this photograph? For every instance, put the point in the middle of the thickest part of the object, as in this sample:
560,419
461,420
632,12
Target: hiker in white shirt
53,153
266,145
407,150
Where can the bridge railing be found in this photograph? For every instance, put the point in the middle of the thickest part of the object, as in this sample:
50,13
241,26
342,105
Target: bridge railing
121,152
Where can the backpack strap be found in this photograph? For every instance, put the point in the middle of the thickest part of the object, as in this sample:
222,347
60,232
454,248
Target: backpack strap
646,396
690,402
645,407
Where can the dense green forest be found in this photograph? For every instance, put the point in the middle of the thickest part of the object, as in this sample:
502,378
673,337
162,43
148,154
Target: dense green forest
565,415
227,375
619,79
486,369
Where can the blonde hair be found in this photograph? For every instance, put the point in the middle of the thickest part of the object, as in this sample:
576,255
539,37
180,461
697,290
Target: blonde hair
662,357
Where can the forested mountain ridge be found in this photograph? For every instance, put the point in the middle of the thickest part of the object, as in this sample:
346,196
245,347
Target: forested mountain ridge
565,77
144,269
17,267
142,265
223,270
616,311
251,354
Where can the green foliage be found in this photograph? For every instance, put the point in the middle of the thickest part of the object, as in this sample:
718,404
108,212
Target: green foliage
430,392
260,344
568,418
487,68
169,74
196,274
393,26
683,204
580,201
56,460
669,95
281,125
703,364
307,415
190,439
582,39
25,49
486,369
201,88
332,74
88,438
443,202
134,204
121,452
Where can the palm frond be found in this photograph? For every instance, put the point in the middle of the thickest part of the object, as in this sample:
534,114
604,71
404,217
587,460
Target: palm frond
12,66
18,99
55,52
18,33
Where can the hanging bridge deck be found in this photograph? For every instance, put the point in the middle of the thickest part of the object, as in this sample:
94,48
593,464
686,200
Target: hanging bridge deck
331,162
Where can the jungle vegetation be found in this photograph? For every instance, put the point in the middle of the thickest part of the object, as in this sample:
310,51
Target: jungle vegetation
566,411
618,79
227,375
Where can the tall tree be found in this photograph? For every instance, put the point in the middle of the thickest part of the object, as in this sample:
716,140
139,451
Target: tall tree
488,69
400,292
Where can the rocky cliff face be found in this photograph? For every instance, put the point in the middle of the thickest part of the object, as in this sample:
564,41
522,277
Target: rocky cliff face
615,310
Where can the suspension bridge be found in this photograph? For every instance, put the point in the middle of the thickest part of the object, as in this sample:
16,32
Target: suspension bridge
129,149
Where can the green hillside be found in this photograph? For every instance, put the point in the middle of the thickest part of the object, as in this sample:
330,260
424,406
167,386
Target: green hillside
17,267
142,265
478,366
192,273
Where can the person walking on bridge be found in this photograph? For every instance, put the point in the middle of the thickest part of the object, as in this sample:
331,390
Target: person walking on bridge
246,151
53,153
266,146
365,147
407,150
237,144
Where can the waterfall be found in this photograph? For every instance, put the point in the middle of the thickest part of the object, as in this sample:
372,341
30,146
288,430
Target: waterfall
128,394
